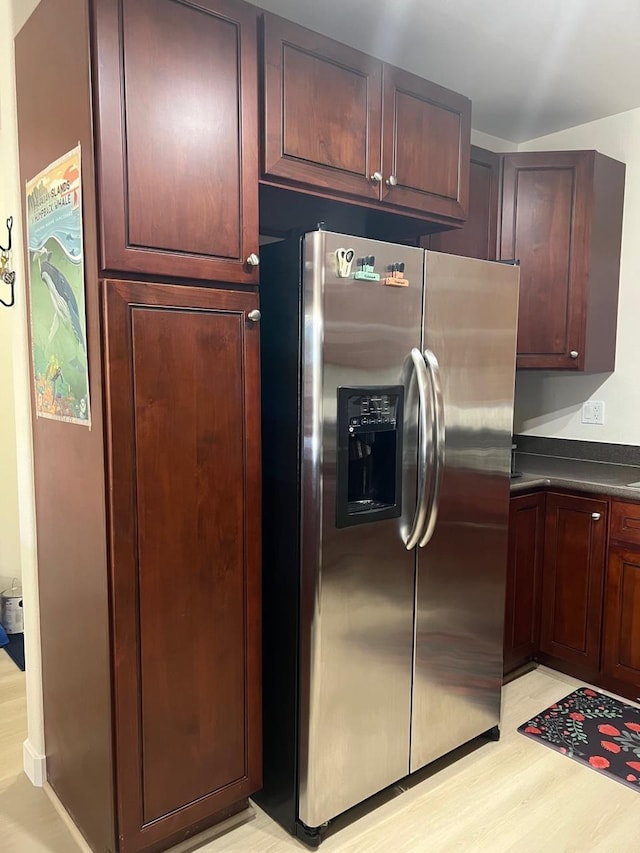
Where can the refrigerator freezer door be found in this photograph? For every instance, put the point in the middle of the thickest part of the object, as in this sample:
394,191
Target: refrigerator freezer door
357,578
470,325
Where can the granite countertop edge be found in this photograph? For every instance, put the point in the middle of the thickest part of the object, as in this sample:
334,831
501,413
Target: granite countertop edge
597,478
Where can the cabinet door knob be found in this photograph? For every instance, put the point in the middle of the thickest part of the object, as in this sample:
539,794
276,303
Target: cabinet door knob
253,260
595,516
573,354
254,316
392,181
376,177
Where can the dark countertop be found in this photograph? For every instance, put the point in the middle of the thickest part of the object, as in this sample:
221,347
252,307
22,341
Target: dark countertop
603,478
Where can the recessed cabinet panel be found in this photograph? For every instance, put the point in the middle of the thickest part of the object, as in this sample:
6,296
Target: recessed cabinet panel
417,124
182,124
177,137
322,111
543,210
622,625
188,574
425,156
307,80
572,582
526,532
629,627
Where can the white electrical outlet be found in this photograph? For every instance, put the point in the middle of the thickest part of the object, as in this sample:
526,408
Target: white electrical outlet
593,412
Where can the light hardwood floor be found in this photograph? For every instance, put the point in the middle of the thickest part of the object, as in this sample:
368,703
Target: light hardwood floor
514,795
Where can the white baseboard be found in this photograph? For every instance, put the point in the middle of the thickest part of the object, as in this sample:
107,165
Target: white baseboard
34,764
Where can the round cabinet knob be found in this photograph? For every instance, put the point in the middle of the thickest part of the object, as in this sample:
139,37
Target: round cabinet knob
376,177
392,181
573,354
595,516
253,260
254,315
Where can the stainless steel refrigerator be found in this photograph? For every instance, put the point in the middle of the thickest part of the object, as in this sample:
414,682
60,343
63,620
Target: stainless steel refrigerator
387,392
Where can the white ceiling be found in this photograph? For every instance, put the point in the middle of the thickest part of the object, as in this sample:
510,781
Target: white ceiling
530,67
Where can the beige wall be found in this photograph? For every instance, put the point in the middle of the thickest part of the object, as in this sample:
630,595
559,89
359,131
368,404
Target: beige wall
9,322
549,404
17,525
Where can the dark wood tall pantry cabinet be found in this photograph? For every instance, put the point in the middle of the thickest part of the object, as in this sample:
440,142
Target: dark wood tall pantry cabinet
148,524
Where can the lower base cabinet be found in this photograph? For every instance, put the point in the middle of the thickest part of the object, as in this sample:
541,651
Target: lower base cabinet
571,603
526,528
572,581
621,638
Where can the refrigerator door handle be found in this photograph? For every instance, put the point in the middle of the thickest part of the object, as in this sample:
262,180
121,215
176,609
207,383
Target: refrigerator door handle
420,368
437,438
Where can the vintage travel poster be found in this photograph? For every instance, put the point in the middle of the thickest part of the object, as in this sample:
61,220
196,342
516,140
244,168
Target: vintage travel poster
56,277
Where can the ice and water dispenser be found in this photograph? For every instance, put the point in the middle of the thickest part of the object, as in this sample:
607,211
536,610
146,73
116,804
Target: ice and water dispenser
369,459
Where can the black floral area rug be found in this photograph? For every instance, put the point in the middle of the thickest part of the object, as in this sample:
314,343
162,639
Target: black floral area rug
597,730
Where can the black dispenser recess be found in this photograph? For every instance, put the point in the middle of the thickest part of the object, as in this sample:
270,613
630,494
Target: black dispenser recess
369,457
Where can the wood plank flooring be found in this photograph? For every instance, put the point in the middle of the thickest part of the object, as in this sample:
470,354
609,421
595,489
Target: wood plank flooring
514,795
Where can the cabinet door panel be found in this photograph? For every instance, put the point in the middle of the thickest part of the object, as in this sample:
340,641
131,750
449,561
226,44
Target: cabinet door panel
544,225
526,531
177,137
322,111
183,411
622,625
426,133
477,237
572,585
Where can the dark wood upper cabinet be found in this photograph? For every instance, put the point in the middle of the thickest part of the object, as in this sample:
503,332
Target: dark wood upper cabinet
343,124
524,570
425,146
182,392
176,137
572,582
562,218
477,237
322,111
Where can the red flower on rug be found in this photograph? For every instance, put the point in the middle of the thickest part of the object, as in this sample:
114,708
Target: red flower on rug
588,692
608,730
610,746
635,727
532,730
576,716
599,761
635,765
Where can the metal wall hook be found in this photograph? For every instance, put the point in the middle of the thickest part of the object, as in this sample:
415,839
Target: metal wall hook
7,248
7,275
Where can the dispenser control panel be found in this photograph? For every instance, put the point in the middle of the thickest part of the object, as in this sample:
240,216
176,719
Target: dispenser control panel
372,411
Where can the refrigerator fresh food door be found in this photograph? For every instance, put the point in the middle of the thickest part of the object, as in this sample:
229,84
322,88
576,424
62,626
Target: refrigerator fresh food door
469,342
358,505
